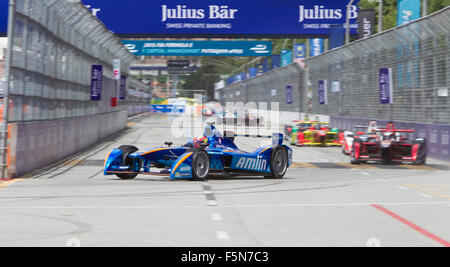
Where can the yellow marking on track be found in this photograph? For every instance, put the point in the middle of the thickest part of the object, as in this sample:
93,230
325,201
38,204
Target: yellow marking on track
297,165
438,190
73,162
8,183
419,168
130,124
358,166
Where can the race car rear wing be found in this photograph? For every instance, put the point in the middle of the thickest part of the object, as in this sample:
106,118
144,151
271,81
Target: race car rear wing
277,138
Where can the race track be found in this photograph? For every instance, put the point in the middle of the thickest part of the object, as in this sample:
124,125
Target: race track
323,201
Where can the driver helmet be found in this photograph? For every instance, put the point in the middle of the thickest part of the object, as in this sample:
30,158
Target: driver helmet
199,142
373,126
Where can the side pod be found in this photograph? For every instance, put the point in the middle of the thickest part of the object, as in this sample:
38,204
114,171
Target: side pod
182,167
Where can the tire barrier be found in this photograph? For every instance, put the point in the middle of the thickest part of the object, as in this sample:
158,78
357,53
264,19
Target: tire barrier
35,145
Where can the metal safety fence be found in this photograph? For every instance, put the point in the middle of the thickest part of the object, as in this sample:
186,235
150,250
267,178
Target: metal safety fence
418,55
284,86
52,46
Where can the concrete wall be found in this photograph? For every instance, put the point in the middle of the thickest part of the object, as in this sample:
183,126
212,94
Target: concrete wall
37,144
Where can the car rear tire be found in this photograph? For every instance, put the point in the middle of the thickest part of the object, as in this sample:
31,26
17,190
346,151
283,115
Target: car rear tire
200,164
127,161
279,163
422,153
354,161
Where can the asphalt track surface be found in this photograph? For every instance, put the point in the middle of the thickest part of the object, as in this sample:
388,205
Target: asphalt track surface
322,201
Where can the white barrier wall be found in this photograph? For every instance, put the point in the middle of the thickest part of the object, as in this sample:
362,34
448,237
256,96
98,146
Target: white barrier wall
34,145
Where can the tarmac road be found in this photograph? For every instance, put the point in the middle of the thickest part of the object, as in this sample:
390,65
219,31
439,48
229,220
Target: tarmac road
323,201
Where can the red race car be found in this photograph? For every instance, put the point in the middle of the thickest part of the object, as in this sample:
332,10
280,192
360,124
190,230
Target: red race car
389,147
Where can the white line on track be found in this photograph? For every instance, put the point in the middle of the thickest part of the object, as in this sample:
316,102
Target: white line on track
216,217
211,203
402,187
382,180
365,173
206,192
425,195
311,205
222,235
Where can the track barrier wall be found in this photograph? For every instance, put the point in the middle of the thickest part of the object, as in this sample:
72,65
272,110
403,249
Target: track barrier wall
37,144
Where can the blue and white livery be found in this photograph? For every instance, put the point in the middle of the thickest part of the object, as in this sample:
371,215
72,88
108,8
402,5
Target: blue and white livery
214,154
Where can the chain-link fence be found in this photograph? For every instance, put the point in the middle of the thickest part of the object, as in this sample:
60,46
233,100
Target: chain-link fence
284,86
54,45
419,56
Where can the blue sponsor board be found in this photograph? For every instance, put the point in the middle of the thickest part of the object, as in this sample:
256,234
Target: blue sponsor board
222,17
276,61
253,72
408,10
168,109
300,51
199,48
96,82
286,57
323,93
123,87
289,95
317,47
386,86
337,36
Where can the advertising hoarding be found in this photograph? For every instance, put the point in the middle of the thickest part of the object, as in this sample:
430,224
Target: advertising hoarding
366,23
323,93
386,86
96,82
222,17
199,48
407,11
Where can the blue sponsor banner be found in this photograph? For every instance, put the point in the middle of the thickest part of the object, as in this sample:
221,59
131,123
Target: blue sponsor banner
260,69
386,86
276,61
316,47
286,57
300,51
219,17
253,72
266,65
199,48
323,93
337,36
96,82
289,95
176,109
123,87
407,11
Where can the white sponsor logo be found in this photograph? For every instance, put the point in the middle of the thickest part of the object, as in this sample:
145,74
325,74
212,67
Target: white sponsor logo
252,164
183,12
185,169
94,11
131,48
260,49
320,12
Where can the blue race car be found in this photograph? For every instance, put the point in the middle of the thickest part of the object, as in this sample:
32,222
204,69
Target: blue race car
212,154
